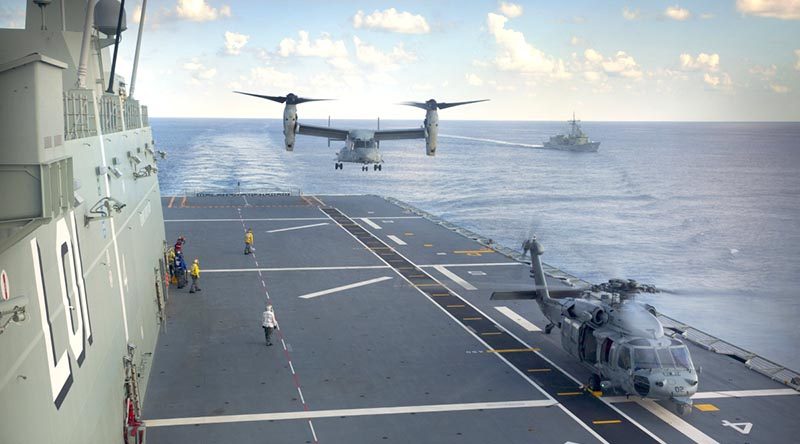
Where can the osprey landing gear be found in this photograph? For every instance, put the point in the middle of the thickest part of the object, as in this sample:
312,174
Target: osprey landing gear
338,166
377,167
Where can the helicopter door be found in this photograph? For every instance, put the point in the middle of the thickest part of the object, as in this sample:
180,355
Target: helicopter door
588,344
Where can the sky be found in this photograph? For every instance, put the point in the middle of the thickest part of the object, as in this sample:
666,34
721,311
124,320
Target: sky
727,60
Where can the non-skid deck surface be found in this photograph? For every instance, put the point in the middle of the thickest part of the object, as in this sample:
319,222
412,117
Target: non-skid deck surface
387,334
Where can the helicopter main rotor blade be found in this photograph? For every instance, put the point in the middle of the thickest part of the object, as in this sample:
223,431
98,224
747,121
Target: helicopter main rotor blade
279,99
444,105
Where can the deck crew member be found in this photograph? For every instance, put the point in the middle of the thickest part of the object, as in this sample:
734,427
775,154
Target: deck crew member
248,241
179,244
195,273
171,263
269,324
180,270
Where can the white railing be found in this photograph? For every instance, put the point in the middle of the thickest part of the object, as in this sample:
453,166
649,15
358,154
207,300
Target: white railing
79,114
132,115
110,113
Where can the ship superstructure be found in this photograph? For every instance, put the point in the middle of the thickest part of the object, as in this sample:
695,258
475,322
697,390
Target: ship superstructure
81,231
575,140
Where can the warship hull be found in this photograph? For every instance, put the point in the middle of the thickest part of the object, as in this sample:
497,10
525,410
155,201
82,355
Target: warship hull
387,334
590,147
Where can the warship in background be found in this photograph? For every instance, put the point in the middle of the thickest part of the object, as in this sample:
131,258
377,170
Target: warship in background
576,140
82,260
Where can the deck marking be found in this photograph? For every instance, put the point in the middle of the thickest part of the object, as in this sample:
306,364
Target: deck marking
570,394
706,407
345,287
472,319
722,394
246,203
455,306
741,427
491,333
473,264
313,433
351,267
297,228
396,239
171,201
183,202
512,350
677,423
427,245
300,391
283,343
524,323
371,223
607,421
291,367
538,370
341,218
222,419
454,277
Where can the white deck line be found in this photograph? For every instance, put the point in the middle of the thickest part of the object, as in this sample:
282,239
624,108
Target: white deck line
396,239
280,219
476,264
349,412
732,394
522,322
347,267
677,423
371,223
300,227
345,287
454,277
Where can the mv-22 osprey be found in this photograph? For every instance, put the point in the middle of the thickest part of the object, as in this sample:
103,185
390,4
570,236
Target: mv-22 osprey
360,145
621,341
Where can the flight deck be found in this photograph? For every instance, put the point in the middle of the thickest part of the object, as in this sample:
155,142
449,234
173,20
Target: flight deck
387,334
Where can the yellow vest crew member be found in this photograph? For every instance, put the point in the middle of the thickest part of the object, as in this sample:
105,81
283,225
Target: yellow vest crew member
195,276
248,241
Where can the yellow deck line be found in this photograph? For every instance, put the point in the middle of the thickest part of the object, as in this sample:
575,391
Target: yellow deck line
569,393
607,421
538,370
512,350
471,319
491,333
456,306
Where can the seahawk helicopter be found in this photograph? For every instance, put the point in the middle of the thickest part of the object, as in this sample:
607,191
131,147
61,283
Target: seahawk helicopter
360,145
620,341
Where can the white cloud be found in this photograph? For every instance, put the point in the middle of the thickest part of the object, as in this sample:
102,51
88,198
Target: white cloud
234,42
630,14
592,56
265,77
780,9
677,13
779,89
510,10
593,76
706,16
374,57
198,71
622,64
764,72
575,41
516,54
797,63
703,62
392,21
323,47
718,81
200,11
474,80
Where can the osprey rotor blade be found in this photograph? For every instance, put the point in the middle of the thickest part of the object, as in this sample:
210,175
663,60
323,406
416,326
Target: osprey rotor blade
279,99
304,100
443,105
416,104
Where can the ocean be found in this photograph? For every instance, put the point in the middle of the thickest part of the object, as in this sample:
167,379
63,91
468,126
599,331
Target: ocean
709,212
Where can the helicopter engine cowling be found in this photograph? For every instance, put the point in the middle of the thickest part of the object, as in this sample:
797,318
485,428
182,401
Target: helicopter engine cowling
599,316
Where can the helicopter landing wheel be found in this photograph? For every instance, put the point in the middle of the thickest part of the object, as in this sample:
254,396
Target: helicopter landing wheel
548,328
594,383
683,409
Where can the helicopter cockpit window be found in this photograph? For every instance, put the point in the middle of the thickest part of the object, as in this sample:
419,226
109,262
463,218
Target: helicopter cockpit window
681,356
624,360
644,358
665,357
